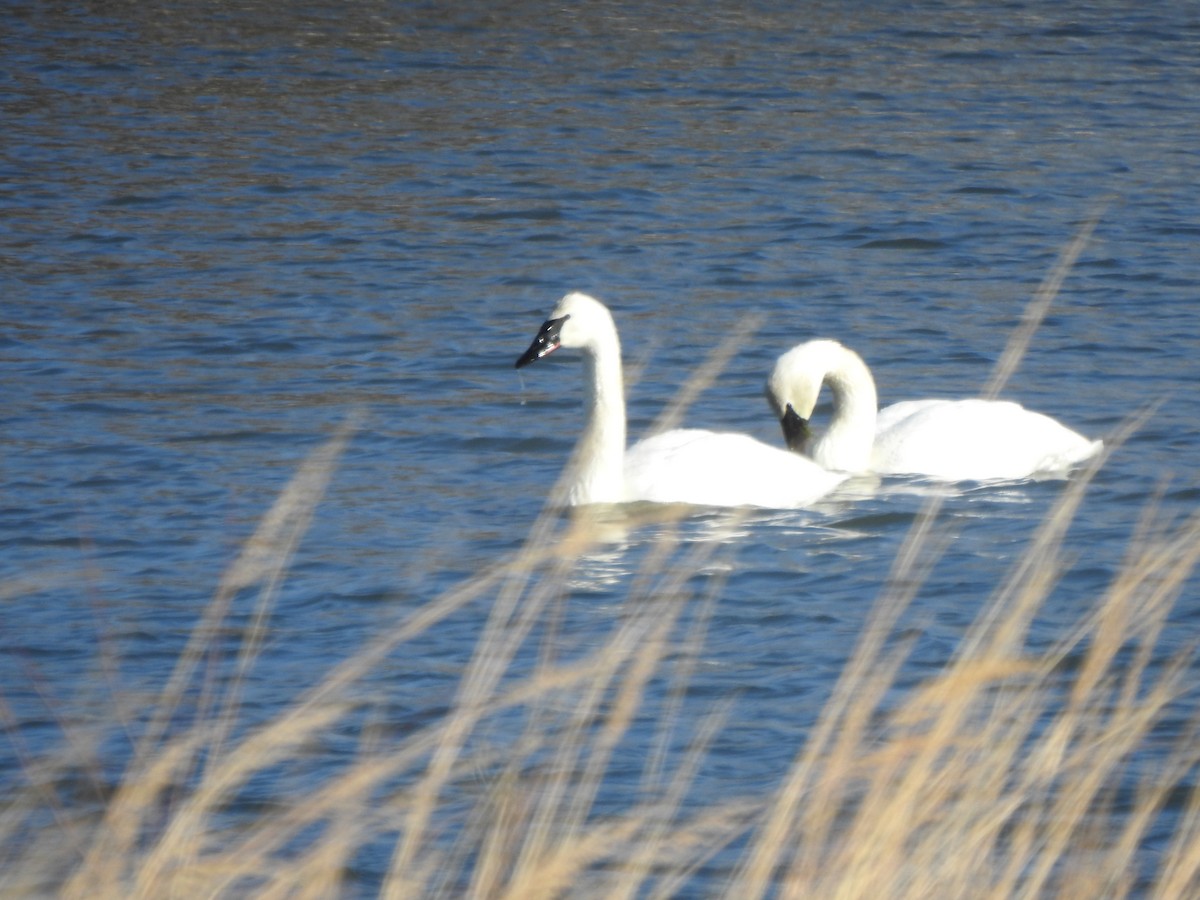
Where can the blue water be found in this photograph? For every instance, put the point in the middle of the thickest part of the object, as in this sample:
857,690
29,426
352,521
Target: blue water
223,229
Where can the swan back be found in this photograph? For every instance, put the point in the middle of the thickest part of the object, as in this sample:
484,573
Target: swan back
708,468
975,440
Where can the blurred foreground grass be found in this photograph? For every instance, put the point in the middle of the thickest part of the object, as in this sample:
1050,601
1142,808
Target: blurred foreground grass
1010,773
1005,775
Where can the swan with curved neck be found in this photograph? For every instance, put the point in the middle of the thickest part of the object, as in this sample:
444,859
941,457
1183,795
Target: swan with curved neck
681,466
948,440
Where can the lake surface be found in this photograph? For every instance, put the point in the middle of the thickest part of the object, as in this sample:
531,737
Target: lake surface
224,229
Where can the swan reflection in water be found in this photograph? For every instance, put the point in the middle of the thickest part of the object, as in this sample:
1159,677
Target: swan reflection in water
606,543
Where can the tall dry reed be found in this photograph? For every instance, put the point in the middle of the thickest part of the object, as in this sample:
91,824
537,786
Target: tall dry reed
1013,772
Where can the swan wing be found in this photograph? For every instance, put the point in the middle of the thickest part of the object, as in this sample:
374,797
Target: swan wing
709,468
891,416
974,440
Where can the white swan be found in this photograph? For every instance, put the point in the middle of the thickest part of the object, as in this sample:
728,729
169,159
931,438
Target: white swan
948,440
682,466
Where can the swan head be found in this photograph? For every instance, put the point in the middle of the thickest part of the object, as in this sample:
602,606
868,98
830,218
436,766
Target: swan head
794,386
798,376
796,430
577,321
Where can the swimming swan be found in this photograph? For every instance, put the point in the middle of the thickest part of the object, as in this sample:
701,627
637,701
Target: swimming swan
680,466
948,440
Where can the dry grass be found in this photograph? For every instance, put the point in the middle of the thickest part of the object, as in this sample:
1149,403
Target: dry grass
999,777
1004,776
1009,774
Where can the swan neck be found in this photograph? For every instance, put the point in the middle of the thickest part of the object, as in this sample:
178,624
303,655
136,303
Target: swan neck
846,445
600,454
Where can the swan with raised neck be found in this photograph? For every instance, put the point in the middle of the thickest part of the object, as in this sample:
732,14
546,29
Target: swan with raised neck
950,440
585,324
679,466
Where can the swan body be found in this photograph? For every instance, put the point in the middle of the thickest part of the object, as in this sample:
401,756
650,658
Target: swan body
684,465
947,440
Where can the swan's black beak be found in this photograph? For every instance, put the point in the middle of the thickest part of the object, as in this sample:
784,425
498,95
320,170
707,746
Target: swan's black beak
796,432
546,342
